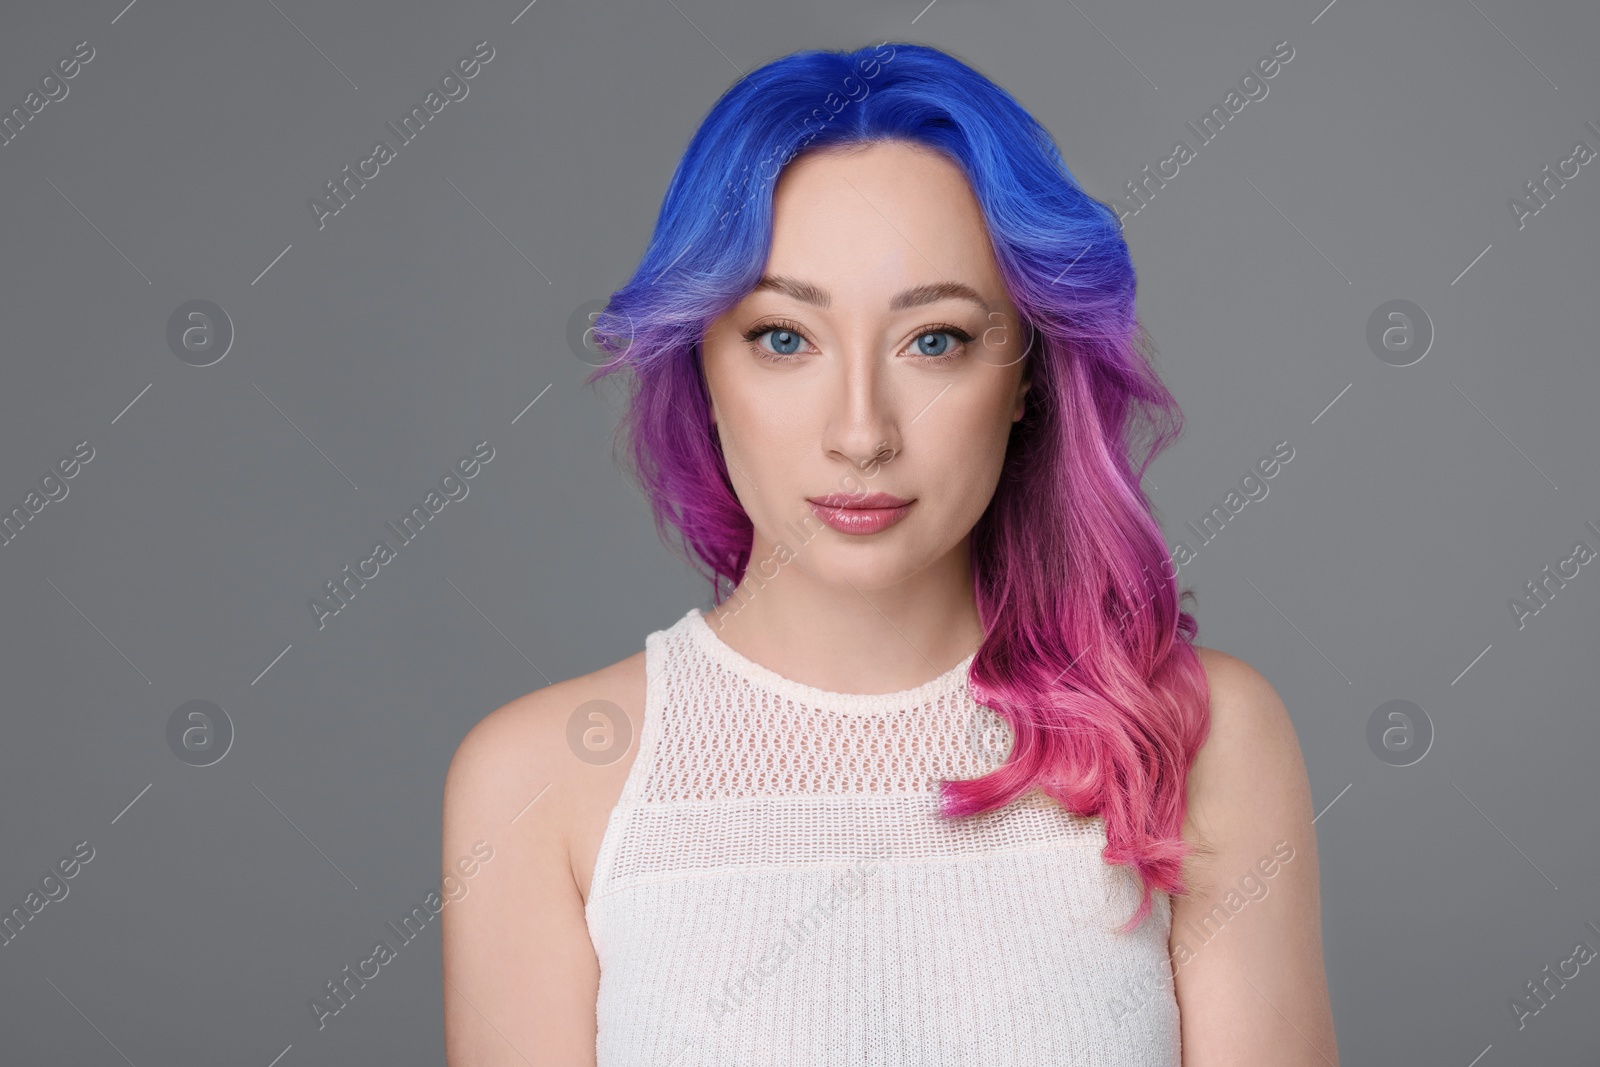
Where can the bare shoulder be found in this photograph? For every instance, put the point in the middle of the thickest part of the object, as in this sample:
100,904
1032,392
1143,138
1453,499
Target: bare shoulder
530,746
1246,938
1248,717
542,715
523,794
1231,677
1248,782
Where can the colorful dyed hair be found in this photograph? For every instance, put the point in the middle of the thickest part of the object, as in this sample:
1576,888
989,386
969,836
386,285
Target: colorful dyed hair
1087,654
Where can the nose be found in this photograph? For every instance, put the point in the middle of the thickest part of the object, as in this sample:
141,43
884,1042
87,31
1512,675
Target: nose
863,426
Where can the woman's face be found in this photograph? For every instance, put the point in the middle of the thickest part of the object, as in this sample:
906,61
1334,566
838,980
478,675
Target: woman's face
879,355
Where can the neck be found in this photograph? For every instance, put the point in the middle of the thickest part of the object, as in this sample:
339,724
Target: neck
846,634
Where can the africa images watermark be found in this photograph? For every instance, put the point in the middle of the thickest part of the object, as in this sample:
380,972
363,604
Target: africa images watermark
52,889
52,90
1251,489
1540,993
758,573
454,90
1250,886
797,931
451,488
1539,590
1211,126
1541,191
831,106
52,489
341,991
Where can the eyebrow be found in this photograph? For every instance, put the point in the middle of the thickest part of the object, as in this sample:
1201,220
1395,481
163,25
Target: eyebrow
914,297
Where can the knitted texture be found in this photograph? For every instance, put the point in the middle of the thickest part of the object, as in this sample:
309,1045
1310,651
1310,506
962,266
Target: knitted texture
775,886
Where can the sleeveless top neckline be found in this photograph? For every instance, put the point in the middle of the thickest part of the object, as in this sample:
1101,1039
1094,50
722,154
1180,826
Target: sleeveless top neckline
848,703
776,885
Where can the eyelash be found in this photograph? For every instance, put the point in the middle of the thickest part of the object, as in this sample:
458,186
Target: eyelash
769,326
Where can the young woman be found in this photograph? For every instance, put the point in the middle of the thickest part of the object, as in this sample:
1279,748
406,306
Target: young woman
942,777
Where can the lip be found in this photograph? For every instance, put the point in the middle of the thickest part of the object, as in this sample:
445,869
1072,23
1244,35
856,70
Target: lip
859,500
859,514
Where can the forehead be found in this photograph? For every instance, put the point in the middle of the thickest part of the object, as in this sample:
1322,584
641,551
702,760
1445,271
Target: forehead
866,218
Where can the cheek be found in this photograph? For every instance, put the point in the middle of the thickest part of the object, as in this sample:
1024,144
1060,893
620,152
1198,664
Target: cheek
981,423
768,433
967,448
767,424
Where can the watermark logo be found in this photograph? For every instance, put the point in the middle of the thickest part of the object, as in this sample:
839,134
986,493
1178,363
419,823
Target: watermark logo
988,735
199,733
1399,733
580,333
598,732
1399,333
199,332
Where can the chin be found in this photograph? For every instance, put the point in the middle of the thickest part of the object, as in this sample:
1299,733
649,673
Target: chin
866,567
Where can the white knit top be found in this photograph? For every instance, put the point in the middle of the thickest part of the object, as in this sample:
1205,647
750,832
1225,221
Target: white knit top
775,886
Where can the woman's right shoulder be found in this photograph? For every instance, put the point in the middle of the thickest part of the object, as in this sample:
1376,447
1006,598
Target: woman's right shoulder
520,795
531,732
541,746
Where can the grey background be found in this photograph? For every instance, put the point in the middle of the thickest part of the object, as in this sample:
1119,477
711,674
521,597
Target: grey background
431,312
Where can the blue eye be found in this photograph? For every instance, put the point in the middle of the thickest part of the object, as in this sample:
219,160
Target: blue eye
785,342
941,343
937,344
